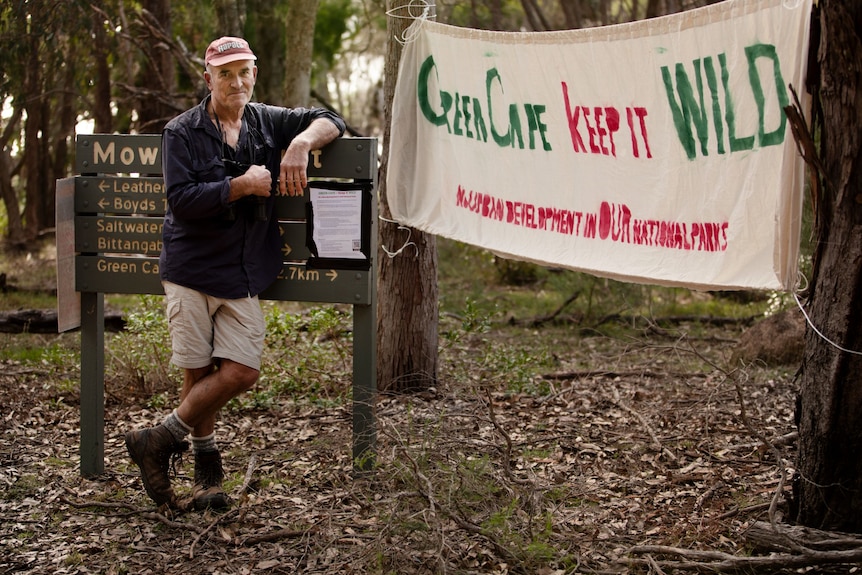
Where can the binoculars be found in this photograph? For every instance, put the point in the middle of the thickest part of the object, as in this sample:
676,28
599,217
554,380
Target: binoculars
234,170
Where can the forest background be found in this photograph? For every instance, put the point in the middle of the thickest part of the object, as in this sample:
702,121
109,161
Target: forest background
575,424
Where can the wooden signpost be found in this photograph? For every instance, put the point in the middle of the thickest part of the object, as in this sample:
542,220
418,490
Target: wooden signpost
109,230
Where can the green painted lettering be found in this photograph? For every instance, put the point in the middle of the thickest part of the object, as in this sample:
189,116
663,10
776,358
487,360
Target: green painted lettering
752,53
736,144
430,114
688,109
503,140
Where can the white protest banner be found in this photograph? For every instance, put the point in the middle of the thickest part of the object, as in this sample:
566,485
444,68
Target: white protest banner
655,152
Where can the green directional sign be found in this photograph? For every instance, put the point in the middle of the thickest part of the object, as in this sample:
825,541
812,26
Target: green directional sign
347,158
118,234
120,195
136,275
118,154
117,274
299,283
143,235
293,237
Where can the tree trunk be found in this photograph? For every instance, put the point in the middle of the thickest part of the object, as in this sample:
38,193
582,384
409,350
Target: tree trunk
14,225
407,285
299,40
157,72
102,87
35,156
265,32
828,489
230,18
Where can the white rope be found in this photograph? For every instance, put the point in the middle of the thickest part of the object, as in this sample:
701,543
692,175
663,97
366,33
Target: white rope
420,10
407,242
813,327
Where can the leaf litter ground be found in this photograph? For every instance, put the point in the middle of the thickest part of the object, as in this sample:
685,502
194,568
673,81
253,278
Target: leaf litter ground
611,444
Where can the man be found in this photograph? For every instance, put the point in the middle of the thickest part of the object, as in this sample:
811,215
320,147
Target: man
222,162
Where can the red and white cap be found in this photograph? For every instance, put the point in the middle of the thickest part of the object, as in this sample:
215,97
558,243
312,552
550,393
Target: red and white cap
228,49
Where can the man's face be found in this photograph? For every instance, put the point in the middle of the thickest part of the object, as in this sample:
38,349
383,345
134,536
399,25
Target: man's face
232,84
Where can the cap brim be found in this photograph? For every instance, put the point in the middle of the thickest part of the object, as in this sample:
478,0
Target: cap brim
227,58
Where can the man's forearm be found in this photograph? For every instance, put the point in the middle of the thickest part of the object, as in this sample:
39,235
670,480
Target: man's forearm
319,133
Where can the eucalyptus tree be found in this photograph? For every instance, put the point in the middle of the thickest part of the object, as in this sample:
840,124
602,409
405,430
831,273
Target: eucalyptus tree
828,484
408,298
42,86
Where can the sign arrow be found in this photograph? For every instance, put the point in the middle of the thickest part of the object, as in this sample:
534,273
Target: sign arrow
104,203
104,185
332,275
286,249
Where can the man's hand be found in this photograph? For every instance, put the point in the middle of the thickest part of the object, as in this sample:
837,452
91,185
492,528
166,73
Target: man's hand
257,181
293,171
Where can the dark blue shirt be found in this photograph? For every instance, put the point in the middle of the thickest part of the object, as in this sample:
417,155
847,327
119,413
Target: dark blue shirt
209,244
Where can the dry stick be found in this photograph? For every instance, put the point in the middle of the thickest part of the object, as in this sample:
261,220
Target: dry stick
614,374
763,535
652,563
611,375
208,528
507,456
427,496
458,519
656,443
135,511
779,462
715,561
199,531
737,510
270,537
539,321
249,473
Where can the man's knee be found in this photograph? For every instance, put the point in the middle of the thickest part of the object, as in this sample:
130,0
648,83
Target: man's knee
244,377
247,378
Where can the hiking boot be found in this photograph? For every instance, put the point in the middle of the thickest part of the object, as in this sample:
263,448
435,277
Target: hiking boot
152,449
207,492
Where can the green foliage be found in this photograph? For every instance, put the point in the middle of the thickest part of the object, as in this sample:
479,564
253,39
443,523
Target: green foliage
330,27
306,356
23,487
509,15
594,301
139,357
475,358
473,491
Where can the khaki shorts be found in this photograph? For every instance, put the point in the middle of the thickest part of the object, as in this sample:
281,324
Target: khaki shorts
204,328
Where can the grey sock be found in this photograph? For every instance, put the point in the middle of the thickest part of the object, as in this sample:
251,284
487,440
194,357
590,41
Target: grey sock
176,426
207,443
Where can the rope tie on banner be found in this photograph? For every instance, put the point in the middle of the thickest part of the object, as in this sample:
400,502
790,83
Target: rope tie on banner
407,242
814,328
420,10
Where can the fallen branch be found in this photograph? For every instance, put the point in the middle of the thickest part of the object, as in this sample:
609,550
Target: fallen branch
145,513
657,445
763,535
540,321
45,321
249,474
647,373
209,528
199,531
695,560
270,537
